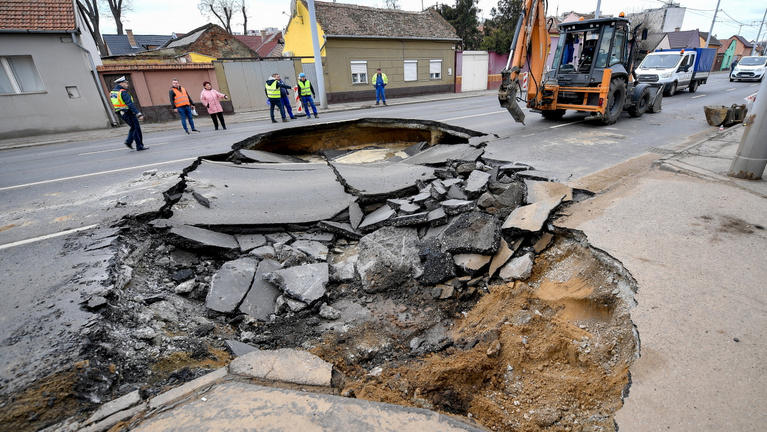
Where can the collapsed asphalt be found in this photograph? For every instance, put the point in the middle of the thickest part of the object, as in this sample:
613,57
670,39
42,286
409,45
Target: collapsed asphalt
264,249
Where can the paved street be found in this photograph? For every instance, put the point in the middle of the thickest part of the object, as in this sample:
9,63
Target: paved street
52,188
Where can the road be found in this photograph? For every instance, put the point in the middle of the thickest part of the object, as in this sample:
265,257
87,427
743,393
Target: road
47,190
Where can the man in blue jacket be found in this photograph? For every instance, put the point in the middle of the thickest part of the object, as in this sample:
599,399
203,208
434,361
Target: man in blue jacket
284,95
124,106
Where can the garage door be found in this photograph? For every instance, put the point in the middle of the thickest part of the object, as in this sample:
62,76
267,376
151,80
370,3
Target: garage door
474,74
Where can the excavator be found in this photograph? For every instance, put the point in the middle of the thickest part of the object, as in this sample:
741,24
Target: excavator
592,69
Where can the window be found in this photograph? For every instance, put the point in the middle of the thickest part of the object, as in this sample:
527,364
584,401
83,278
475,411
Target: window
411,70
19,75
604,48
359,71
435,69
617,56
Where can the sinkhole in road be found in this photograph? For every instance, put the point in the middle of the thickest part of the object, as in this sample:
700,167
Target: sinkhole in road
427,274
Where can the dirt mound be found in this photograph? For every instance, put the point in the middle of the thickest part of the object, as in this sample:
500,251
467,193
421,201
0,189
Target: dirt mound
551,354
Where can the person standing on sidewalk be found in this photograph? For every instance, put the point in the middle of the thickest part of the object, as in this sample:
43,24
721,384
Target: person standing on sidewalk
306,91
273,89
285,97
125,108
210,98
380,80
182,104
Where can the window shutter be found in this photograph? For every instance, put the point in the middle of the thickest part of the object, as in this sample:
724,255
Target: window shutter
411,70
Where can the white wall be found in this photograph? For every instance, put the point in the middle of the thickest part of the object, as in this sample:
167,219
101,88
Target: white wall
60,63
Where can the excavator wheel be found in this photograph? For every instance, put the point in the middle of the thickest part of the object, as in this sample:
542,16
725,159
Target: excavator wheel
616,98
642,104
555,114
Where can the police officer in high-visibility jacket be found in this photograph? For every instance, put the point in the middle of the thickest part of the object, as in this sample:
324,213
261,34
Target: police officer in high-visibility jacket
305,92
272,90
125,108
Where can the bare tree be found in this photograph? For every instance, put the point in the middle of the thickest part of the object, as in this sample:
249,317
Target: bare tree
392,4
221,9
117,7
244,17
90,9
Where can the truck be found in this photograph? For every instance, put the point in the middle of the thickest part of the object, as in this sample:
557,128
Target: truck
677,69
592,69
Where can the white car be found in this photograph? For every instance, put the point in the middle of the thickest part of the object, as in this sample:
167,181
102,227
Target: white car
749,68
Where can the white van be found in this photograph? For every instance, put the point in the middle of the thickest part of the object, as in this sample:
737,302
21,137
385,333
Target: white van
749,68
677,69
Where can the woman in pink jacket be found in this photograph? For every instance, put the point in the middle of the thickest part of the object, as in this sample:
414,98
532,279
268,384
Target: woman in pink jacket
210,98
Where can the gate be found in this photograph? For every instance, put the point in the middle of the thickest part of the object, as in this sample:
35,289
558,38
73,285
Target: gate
246,79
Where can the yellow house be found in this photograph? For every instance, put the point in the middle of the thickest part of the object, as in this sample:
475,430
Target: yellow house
416,50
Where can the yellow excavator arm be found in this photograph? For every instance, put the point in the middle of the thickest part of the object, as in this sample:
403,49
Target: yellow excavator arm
529,47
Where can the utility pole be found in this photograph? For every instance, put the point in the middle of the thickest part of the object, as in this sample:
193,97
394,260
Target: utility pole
596,12
751,158
753,48
716,11
317,55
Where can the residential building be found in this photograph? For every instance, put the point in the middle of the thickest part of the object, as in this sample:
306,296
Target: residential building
734,48
266,44
48,62
129,43
188,58
416,50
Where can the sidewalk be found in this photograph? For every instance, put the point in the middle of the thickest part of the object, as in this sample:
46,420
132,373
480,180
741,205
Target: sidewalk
204,121
695,241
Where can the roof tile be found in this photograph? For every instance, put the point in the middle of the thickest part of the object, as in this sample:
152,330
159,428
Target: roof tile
37,15
339,19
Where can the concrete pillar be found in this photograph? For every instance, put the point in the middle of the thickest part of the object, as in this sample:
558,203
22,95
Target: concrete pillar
751,157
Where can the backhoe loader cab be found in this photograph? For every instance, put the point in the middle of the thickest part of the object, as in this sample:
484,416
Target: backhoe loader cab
591,71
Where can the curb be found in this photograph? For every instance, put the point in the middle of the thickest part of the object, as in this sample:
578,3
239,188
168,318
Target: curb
111,132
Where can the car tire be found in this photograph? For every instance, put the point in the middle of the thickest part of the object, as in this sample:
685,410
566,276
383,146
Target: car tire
693,86
642,104
672,90
616,99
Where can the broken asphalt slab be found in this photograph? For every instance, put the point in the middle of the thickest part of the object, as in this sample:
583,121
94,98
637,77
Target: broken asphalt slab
305,282
262,194
442,153
374,181
260,300
388,258
532,216
230,284
284,365
194,238
542,190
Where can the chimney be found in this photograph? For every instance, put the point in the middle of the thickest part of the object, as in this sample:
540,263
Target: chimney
131,39
676,29
263,34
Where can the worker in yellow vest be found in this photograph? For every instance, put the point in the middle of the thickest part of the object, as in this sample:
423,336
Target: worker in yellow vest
274,96
305,92
182,104
125,108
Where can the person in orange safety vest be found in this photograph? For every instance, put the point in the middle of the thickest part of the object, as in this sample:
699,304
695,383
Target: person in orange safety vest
182,103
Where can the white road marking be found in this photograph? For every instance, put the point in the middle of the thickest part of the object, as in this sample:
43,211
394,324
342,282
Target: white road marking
123,149
95,174
46,237
473,115
698,96
730,89
566,124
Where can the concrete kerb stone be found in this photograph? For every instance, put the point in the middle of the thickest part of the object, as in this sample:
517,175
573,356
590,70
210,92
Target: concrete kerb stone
163,399
115,418
284,365
122,403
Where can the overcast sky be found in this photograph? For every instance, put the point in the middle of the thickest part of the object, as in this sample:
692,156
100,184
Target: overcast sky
168,16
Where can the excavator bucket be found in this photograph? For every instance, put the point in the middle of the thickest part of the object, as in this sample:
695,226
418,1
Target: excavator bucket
507,96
